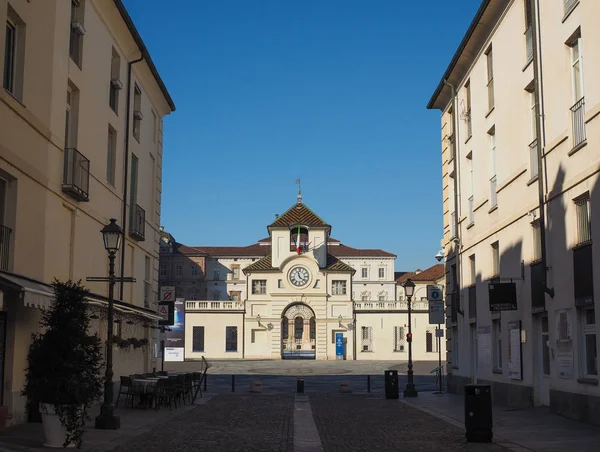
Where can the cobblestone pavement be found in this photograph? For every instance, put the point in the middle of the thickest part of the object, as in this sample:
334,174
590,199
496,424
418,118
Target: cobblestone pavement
244,423
356,423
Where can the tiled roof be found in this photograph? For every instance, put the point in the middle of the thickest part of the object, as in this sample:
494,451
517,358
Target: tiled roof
268,240
298,214
346,251
255,250
187,250
431,274
404,276
266,265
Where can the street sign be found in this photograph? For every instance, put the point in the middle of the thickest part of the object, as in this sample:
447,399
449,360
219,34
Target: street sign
167,293
439,332
339,345
434,292
166,309
437,312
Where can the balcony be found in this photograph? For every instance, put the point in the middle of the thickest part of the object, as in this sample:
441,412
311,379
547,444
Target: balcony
137,225
473,302
529,43
76,176
578,122
417,305
5,234
214,306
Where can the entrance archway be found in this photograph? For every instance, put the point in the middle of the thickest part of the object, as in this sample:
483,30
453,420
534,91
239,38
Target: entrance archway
298,332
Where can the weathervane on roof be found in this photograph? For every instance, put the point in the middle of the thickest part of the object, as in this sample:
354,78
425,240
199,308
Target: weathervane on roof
299,191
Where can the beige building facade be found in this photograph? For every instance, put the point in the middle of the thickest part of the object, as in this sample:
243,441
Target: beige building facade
520,135
269,301
81,108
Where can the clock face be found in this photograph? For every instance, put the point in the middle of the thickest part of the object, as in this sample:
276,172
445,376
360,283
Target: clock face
299,276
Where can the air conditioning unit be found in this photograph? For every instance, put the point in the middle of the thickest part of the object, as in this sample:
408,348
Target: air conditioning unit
138,115
77,27
116,83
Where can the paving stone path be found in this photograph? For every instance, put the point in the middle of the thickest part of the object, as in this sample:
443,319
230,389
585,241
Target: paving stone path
244,423
357,423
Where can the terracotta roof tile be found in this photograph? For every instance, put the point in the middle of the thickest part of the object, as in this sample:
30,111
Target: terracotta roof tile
404,276
336,265
255,250
431,274
187,250
265,265
346,251
298,214
262,265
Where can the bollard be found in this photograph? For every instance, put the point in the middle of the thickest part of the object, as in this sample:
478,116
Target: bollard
232,383
300,386
256,386
368,383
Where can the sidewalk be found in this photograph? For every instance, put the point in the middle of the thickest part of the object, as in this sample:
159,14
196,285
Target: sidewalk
134,422
535,429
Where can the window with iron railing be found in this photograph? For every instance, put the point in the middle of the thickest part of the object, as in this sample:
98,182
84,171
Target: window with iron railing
137,227
582,210
198,339
490,75
533,159
366,339
76,176
399,339
231,339
5,234
578,122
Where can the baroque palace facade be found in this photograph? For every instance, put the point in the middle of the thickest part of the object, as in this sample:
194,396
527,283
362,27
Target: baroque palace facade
287,296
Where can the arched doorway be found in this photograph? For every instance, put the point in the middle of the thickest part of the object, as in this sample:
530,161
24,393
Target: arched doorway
298,332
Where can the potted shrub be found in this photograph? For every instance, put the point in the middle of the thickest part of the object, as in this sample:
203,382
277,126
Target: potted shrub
64,372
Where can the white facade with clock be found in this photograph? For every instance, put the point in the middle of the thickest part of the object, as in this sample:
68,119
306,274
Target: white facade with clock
268,300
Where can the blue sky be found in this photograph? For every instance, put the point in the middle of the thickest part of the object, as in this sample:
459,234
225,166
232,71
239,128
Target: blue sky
331,91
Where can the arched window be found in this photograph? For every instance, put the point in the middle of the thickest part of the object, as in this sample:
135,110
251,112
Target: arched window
313,329
284,328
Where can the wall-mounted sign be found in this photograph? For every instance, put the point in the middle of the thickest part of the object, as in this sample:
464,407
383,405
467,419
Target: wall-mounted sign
174,345
166,309
503,296
437,312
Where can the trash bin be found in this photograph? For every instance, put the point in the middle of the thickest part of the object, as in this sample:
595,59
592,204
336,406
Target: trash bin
391,384
300,385
478,413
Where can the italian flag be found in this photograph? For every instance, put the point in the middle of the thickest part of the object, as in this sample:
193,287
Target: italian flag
298,241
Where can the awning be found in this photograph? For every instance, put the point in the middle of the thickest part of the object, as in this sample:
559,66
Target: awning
34,294
125,308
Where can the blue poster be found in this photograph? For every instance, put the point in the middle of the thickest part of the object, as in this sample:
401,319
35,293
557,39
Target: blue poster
339,345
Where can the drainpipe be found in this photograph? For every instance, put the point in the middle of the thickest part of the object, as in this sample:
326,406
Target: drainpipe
126,178
540,159
456,196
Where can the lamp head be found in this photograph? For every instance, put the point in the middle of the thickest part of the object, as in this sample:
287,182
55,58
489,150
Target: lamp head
112,235
409,288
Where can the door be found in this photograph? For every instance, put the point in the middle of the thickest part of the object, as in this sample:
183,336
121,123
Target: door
543,367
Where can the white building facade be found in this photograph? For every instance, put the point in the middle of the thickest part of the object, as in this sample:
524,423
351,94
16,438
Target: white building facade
288,295
520,157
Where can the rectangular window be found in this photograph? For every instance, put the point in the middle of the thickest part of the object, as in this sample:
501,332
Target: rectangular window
537,240
582,206
532,114
163,270
495,259
14,54
137,112
178,270
471,189
216,274
364,298
576,70
490,78
497,345
235,296
528,31
111,156
430,341
472,269
590,351
259,287
493,178
280,283
133,190
231,339
467,113
399,339
235,273
366,339
194,270
77,32
10,56
147,281
365,272
382,272
198,339
71,117
115,81
338,287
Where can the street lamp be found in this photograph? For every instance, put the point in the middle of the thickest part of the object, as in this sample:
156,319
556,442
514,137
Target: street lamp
409,391
106,420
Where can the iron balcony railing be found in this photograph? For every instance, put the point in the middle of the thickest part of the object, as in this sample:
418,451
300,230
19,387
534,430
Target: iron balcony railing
529,43
5,234
533,158
137,226
578,120
493,194
471,209
76,176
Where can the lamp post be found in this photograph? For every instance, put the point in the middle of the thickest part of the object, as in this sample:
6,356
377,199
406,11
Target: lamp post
107,420
409,391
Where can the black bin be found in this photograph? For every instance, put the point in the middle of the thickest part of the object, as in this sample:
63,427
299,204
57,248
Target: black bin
300,385
478,413
391,384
